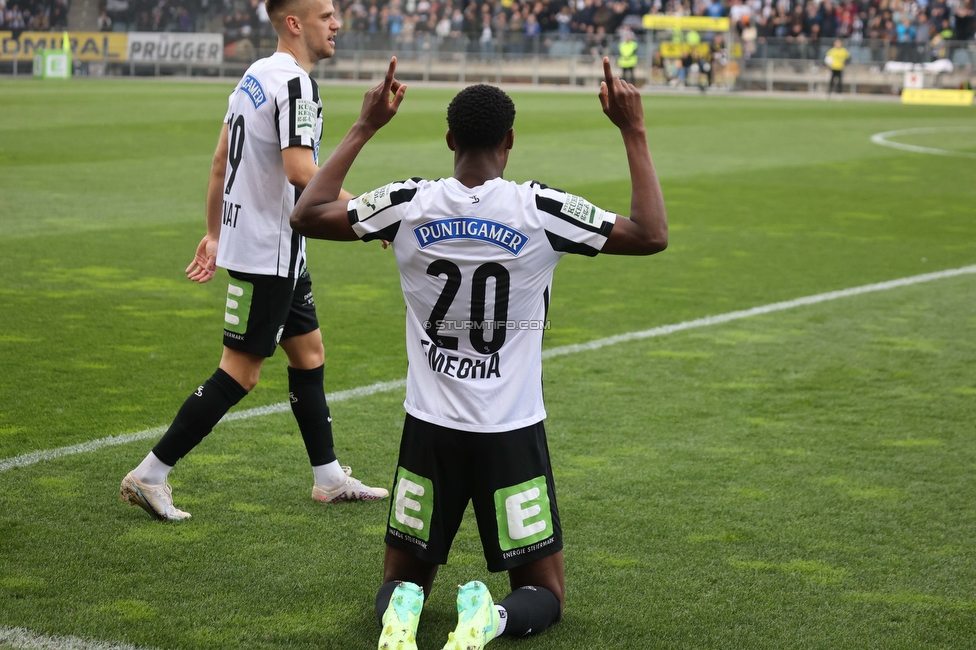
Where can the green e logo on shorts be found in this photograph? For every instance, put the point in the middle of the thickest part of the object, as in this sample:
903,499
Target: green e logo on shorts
238,305
413,505
523,514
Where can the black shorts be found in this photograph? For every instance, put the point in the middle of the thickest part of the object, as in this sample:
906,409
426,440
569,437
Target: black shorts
507,476
261,310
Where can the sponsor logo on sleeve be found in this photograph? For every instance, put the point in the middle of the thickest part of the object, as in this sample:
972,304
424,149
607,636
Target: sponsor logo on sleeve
251,87
305,113
372,202
582,210
491,232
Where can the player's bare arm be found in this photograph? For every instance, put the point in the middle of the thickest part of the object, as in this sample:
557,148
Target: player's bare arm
646,232
321,210
300,167
204,263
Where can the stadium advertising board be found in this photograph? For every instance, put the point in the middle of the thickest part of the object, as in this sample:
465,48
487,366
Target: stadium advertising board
937,97
699,23
678,50
168,47
85,46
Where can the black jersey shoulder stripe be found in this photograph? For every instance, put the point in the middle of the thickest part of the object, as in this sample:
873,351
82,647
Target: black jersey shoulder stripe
294,94
563,245
543,186
316,96
554,207
277,121
389,233
403,195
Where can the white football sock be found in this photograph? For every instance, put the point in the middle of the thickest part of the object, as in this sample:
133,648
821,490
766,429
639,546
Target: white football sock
152,471
330,475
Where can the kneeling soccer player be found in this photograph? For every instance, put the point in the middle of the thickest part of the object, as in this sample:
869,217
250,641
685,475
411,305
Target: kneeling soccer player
476,255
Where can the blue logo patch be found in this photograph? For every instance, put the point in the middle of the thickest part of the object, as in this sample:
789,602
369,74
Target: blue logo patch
252,87
484,230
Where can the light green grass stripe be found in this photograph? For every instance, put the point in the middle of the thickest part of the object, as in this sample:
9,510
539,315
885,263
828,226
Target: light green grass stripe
121,439
382,387
18,637
756,311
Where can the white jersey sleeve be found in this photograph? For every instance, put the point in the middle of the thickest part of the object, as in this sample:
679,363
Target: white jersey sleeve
572,224
374,215
298,110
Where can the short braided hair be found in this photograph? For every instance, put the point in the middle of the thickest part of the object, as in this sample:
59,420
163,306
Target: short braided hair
479,117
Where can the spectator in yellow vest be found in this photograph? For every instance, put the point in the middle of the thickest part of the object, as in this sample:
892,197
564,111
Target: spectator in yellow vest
628,56
836,59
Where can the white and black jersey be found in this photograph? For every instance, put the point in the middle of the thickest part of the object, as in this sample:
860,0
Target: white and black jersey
476,271
275,106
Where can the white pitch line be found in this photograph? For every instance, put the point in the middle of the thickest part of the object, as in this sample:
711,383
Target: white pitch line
882,139
386,386
18,637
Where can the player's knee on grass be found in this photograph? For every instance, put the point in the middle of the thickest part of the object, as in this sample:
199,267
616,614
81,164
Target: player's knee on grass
529,610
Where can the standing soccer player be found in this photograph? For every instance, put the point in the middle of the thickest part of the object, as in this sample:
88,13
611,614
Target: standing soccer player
476,254
266,155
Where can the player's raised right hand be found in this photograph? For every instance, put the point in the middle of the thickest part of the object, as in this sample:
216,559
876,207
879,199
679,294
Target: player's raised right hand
378,106
621,101
204,263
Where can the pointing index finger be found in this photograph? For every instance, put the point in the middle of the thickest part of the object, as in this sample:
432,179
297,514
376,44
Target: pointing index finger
608,74
390,73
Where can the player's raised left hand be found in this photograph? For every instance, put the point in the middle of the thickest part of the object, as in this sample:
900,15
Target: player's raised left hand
378,105
621,101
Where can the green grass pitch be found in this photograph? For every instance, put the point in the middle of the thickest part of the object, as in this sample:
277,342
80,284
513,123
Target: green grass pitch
799,479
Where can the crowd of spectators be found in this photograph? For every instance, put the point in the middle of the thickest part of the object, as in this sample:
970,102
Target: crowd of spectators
910,26
33,15
165,15
486,26
515,21
522,25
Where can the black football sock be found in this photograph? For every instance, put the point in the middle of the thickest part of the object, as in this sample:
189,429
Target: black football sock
198,415
383,598
529,610
307,393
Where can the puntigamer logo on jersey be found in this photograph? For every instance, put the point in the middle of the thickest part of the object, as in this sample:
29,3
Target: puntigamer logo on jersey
252,87
484,230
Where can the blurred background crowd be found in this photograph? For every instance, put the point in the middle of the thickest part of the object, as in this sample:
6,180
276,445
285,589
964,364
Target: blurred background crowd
490,27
